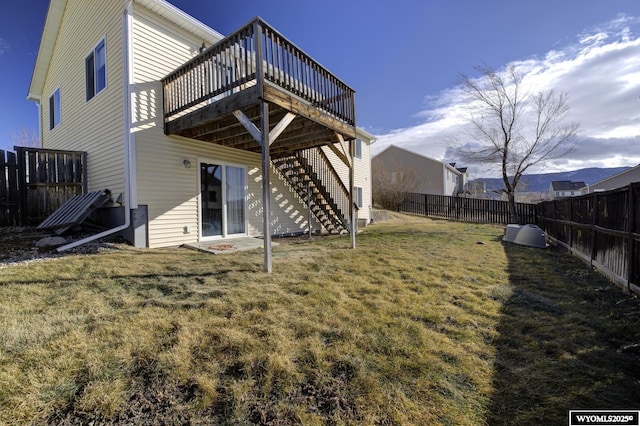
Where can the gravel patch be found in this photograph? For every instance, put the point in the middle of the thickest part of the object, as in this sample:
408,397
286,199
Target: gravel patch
19,245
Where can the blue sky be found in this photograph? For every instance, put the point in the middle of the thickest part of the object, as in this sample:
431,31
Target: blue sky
404,58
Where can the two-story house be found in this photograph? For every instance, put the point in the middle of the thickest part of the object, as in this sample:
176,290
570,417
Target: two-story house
565,188
202,136
428,175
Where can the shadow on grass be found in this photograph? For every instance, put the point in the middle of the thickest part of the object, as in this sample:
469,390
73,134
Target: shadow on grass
196,276
568,339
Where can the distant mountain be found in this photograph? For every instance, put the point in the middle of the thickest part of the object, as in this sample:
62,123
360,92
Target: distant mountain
541,182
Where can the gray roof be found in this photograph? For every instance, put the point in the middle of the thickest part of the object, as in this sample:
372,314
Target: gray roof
567,185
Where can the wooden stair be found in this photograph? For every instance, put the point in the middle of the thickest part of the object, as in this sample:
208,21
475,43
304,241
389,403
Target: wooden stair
301,177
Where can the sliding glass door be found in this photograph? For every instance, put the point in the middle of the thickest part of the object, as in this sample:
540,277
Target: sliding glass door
222,200
235,197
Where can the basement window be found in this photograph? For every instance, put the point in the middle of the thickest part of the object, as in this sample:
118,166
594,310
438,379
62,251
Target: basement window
95,69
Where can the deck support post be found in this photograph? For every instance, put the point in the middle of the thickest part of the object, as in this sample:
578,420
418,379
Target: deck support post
352,208
347,155
265,141
266,193
265,138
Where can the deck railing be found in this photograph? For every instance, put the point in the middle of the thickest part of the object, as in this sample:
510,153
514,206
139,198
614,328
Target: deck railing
230,66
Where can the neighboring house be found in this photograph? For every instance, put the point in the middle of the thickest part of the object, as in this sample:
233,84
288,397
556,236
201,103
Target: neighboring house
184,148
431,176
463,178
616,181
478,189
565,188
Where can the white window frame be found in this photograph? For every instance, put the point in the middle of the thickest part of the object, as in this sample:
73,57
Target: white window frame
55,118
91,58
223,195
357,148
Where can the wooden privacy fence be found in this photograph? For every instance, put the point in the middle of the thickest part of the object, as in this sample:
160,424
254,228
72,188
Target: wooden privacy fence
603,228
34,182
465,209
9,204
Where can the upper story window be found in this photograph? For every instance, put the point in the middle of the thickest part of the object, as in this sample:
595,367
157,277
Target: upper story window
54,109
95,69
357,149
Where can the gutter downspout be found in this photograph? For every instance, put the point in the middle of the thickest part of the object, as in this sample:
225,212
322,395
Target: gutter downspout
127,81
39,122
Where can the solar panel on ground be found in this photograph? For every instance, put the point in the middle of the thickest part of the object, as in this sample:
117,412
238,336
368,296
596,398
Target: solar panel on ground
75,210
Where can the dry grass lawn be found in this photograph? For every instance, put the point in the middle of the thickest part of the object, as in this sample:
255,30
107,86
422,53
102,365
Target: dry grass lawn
426,322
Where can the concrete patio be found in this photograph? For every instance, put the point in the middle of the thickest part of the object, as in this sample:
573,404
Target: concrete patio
228,245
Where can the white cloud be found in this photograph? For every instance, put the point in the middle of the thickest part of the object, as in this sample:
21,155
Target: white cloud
4,46
600,75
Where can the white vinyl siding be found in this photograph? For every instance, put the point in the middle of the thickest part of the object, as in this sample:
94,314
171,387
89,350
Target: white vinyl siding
159,47
430,174
362,175
96,127
171,190
450,180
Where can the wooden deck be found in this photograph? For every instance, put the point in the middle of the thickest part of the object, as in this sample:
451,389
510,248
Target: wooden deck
257,91
207,97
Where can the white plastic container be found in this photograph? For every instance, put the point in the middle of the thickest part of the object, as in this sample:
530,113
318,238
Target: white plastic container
525,235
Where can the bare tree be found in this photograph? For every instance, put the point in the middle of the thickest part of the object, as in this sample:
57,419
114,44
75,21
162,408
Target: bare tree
26,137
515,128
391,183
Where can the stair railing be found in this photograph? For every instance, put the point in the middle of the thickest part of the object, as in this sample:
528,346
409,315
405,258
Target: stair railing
328,182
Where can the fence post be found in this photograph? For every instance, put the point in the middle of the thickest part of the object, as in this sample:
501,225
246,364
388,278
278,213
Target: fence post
594,222
571,223
22,185
630,242
85,184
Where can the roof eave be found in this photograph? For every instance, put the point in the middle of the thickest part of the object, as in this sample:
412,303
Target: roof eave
54,20
614,176
408,152
182,19
45,51
363,134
